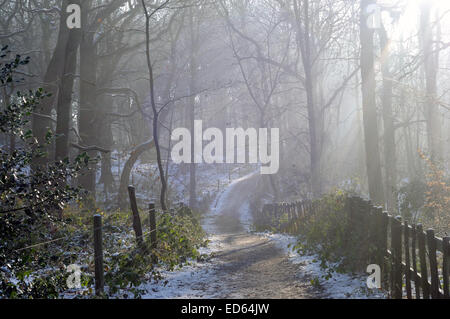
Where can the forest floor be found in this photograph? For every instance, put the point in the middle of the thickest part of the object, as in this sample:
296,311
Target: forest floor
243,264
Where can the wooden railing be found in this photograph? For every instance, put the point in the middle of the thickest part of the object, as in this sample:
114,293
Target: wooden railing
415,263
137,226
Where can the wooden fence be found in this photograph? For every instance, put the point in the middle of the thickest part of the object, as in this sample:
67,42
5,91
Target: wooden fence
415,263
137,226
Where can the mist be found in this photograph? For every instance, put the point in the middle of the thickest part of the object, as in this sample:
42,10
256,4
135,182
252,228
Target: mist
190,124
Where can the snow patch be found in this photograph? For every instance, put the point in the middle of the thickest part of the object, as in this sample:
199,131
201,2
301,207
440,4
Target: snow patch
197,280
217,206
245,216
339,286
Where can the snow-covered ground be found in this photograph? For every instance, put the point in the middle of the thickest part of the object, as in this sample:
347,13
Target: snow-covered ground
197,280
339,286
202,280
219,203
246,218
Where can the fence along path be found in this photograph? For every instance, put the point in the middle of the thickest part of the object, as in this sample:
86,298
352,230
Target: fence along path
137,226
415,263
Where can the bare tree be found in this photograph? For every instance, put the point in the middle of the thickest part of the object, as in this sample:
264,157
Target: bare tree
369,107
156,112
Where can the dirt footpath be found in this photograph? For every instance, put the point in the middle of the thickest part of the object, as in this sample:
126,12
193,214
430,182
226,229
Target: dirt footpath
248,265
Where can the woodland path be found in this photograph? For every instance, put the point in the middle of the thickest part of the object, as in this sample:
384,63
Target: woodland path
249,265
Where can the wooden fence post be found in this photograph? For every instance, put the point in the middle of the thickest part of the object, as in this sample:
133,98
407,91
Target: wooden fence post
414,261
446,266
269,216
282,214
294,218
291,218
377,216
407,260
431,239
373,233
384,241
302,209
152,224
423,262
98,255
288,211
277,214
364,216
137,226
396,233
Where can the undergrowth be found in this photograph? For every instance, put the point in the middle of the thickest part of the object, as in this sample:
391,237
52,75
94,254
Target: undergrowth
325,233
34,265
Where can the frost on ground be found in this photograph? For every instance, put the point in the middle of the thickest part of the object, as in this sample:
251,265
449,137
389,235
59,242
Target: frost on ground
200,279
243,264
190,282
197,280
219,204
245,216
339,286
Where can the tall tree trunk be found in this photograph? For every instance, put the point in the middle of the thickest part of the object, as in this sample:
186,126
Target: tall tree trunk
42,122
431,60
64,107
304,42
390,159
360,134
106,176
87,119
192,88
369,108
154,107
